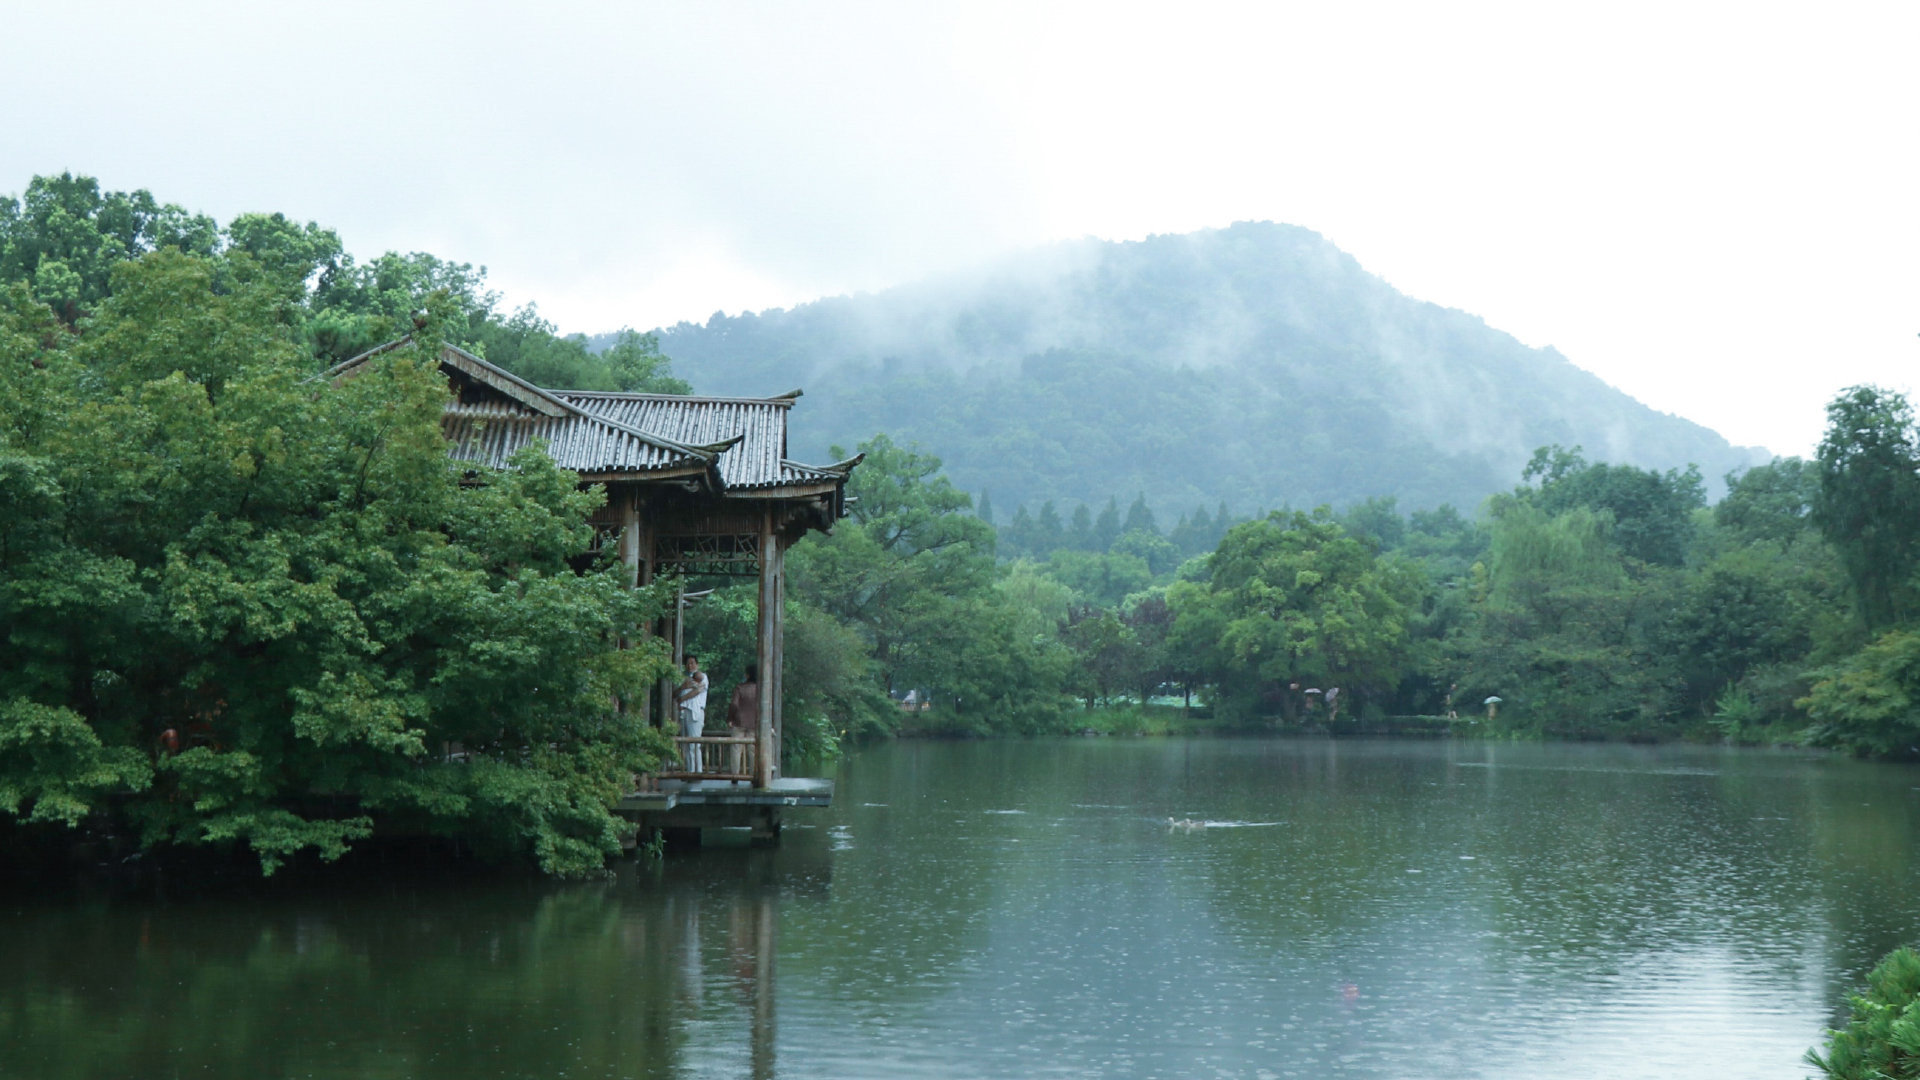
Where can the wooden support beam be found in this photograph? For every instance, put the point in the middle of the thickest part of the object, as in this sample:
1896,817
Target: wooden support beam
630,536
634,552
779,652
678,630
769,634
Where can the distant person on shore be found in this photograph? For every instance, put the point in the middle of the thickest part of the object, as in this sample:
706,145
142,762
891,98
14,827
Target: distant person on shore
692,697
743,717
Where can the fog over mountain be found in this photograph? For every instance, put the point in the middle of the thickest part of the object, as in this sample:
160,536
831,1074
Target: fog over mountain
1257,365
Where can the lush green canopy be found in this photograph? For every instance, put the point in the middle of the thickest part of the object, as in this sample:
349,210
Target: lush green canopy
243,605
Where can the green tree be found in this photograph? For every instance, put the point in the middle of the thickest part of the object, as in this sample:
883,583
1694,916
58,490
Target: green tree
1869,704
284,253
1563,627
636,365
1106,529
1080,535
1150,619
1772,502
357,306
1107,654
1017,539
1100,580
1882,1038
897,566
1652,511
1378,519
1194,534
1295,597
1868,505
64,236
259,609
1159,555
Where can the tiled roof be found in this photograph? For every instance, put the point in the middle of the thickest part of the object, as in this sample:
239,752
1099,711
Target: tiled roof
757,460
489,433
745,439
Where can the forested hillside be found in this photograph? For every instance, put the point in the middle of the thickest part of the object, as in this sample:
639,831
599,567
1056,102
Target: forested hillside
1257,365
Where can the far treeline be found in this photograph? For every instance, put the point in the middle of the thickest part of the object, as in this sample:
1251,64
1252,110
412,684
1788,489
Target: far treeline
1592,601
244,606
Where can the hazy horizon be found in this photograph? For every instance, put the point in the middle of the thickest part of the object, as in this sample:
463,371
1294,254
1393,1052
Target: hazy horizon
1708,206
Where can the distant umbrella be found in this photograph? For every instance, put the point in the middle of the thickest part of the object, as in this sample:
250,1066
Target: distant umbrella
1311,690
1491,701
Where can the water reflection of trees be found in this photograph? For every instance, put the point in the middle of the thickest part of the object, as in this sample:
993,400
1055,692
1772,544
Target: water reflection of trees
1586,862
586,980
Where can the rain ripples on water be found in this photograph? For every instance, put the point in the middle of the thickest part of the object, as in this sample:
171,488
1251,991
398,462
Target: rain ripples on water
1080,908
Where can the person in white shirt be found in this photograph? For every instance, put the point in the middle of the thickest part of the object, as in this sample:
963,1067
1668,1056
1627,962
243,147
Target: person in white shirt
692,696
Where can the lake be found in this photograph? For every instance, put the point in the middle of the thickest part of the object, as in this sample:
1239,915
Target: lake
1062,908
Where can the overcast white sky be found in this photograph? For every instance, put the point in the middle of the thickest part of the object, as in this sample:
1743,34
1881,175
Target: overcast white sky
1712,206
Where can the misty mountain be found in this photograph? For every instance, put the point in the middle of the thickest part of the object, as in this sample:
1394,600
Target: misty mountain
1257,365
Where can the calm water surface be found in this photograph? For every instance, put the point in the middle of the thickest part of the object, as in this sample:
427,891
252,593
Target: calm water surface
1322,909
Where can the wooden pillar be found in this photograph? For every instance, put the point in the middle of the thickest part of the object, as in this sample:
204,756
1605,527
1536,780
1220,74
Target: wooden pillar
764,761
677,641
635,556
679,627
630,536
779,651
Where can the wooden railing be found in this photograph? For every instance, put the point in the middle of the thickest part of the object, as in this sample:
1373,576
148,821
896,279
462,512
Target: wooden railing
723,757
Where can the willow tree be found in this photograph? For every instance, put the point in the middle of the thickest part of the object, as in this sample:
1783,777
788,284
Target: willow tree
1557,631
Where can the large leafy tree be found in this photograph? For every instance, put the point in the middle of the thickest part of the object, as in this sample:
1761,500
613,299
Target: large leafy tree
1870,703
913,572
1296,597
1556,630
64,236
1772,502
243,606
1868,505
1652,511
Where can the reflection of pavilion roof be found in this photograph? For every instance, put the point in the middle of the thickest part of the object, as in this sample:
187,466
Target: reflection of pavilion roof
732,444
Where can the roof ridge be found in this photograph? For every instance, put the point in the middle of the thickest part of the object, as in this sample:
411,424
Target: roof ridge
541,393
783,400
843,468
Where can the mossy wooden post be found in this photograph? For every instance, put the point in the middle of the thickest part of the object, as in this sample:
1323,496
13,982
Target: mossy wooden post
763,767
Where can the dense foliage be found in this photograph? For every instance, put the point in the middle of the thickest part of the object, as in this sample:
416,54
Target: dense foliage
1882,1038
245,606
63,238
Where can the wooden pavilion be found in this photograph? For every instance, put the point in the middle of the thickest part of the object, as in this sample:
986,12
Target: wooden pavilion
695,486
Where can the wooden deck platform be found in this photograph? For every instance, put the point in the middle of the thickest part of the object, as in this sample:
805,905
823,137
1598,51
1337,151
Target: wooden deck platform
683,807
